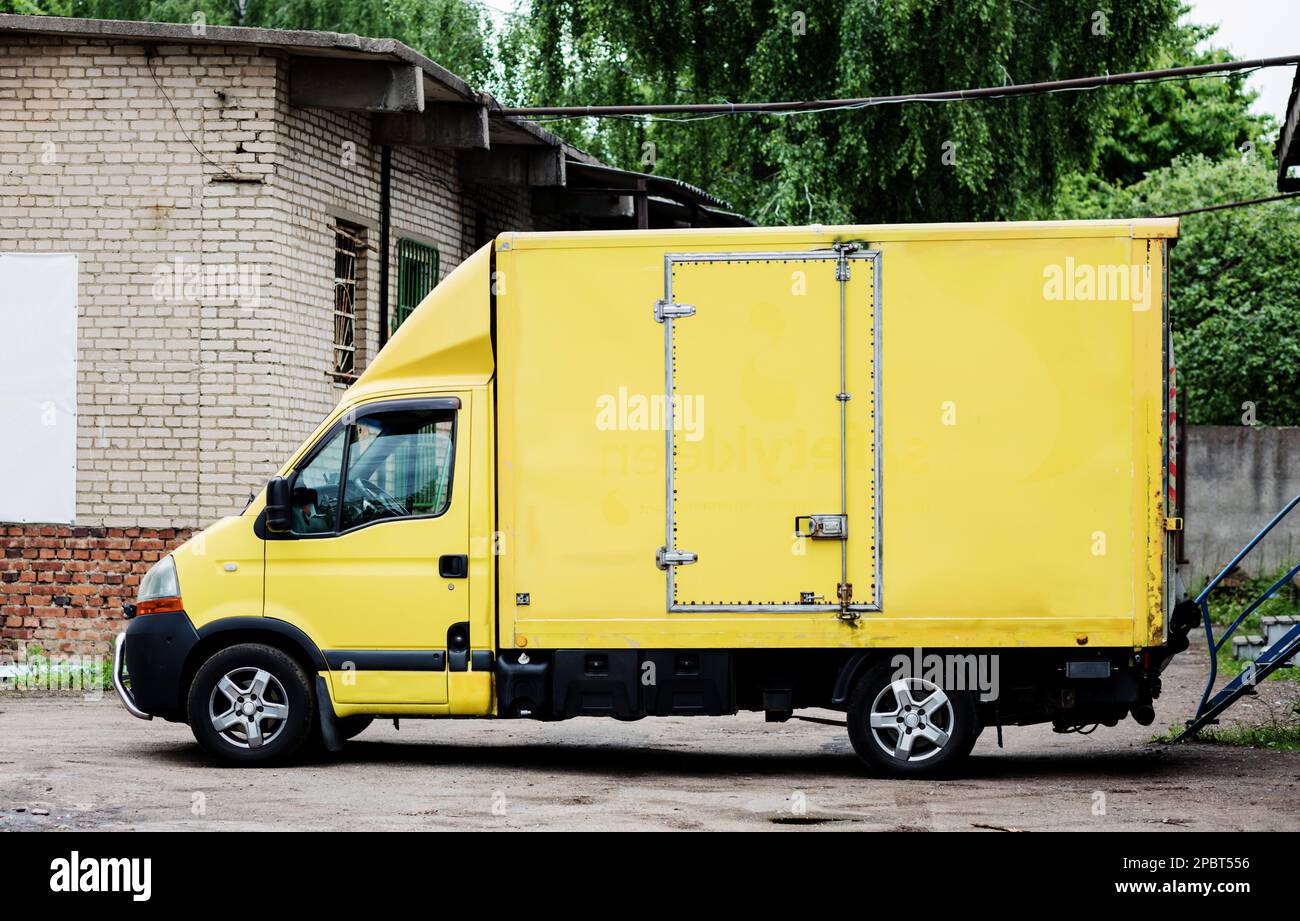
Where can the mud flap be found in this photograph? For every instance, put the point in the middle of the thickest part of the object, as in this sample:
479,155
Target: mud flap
329,730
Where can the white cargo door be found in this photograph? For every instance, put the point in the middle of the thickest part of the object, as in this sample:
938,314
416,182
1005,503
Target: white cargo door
771,455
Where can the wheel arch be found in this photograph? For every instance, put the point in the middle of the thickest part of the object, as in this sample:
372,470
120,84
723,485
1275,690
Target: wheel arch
230,631
850,671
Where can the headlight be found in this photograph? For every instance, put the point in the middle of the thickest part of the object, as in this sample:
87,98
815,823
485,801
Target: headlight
160,592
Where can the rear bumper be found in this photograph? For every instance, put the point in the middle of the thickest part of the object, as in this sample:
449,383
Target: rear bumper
153,652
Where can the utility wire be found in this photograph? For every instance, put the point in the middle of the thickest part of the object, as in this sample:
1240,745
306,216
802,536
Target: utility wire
223,174
824,105
1230,204
688,119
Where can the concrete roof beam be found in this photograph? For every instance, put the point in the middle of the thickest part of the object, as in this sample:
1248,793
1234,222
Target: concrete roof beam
447,125
368,86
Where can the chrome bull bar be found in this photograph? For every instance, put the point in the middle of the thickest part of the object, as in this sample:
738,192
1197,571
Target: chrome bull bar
119,684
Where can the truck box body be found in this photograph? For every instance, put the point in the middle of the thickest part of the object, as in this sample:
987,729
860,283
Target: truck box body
1004,476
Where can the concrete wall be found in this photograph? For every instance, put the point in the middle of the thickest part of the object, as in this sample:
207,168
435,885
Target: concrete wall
1237,478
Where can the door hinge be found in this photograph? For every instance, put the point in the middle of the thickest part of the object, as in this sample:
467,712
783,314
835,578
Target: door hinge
843,250
1173,524
844,593
667,310
665,557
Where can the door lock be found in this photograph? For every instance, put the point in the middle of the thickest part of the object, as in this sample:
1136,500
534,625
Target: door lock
665,557
823,527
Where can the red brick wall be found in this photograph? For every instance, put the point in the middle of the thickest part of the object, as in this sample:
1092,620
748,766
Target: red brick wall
62,587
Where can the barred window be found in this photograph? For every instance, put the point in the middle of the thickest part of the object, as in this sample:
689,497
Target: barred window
349,256
417,273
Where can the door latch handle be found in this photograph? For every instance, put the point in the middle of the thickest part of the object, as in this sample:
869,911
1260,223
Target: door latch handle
453,566
823,527
665,557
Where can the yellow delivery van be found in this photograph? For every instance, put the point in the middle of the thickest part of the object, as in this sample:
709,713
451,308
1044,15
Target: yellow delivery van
918,474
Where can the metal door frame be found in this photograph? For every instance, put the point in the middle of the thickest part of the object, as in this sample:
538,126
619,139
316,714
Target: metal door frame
671,259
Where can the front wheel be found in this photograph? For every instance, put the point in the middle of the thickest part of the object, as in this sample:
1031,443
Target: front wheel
251,705
910,727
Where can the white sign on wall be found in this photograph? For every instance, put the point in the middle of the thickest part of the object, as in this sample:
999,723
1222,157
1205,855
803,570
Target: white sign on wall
38,387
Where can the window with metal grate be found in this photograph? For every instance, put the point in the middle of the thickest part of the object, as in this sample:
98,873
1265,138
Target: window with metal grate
349,254
417,273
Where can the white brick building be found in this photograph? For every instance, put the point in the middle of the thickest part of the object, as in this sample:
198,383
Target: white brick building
228,194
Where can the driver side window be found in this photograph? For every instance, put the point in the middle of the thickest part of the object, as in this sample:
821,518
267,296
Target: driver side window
396,464
399,465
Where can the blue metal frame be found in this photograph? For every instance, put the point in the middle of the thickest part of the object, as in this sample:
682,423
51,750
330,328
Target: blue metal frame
1269,661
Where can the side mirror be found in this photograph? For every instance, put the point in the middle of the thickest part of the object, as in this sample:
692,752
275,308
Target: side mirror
279,513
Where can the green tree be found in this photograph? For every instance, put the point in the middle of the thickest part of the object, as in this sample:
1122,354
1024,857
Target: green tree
1151,124
37,7
938,161
1234,281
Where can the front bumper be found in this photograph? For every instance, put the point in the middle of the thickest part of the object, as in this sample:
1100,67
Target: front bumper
153,652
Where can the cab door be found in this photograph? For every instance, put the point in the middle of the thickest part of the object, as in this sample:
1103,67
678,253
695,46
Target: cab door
375,567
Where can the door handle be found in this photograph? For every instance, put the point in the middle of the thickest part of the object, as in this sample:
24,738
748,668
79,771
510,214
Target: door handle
453,566
823,527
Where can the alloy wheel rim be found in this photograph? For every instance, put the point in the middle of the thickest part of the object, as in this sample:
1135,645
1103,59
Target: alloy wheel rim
911,719
248,707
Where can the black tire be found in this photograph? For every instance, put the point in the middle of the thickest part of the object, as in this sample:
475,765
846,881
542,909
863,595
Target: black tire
286,686
956,720
352,726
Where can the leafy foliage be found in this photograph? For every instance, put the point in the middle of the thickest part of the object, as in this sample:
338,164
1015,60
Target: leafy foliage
938,161
37,7
1151,124
1234,281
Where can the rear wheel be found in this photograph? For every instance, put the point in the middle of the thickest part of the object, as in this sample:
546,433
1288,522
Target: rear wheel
251,705
910,727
